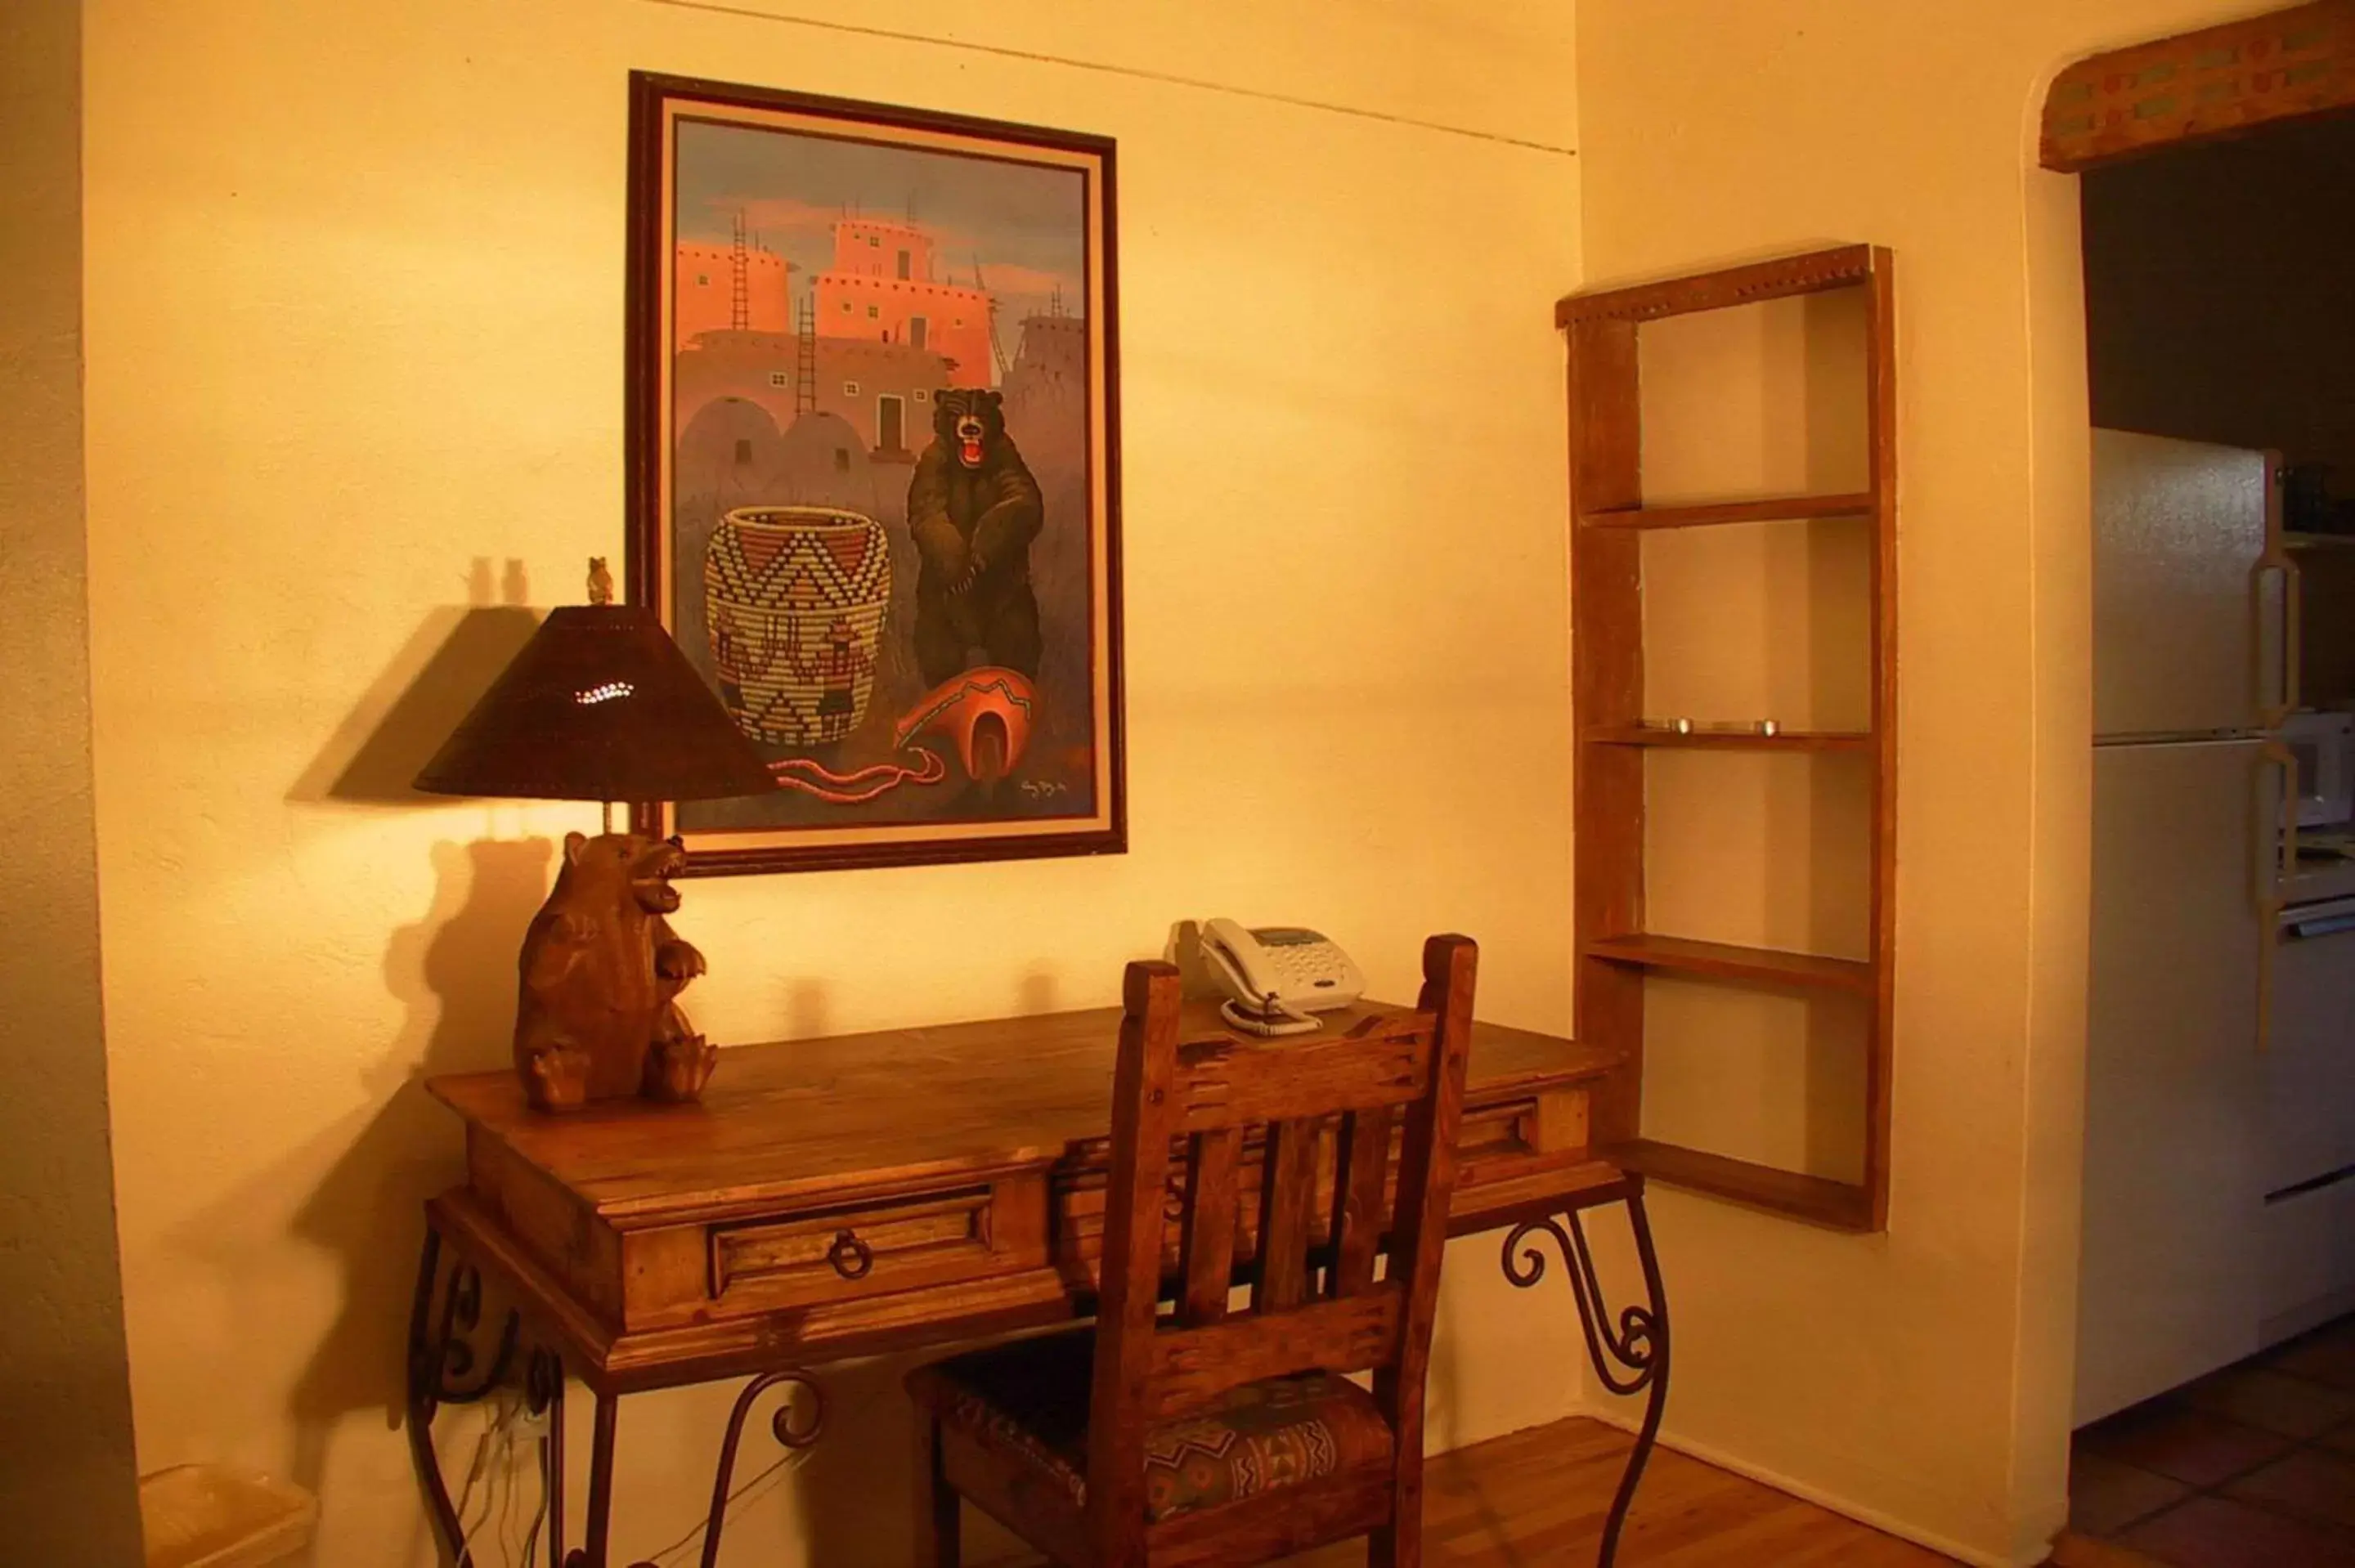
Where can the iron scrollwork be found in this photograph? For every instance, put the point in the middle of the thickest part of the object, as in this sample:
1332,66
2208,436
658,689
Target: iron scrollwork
443,1360
791,1434
439,1365
1629,1356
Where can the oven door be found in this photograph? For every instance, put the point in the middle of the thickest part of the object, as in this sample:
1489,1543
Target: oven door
2325,785
2309,1270
2310,1055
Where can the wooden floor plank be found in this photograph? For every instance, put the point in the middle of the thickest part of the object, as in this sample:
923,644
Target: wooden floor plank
1537,1500
2073,1551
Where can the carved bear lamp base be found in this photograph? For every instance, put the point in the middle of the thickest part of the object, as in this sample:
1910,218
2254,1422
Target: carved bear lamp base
597,1016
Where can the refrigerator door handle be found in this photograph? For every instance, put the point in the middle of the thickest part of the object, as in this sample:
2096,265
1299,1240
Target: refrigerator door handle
2279,565
2293,634
2276,560
2274,888
2274,875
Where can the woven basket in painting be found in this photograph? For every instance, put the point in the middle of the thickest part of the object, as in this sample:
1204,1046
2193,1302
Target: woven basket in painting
795,597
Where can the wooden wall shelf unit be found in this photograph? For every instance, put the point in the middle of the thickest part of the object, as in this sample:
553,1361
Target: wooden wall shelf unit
1616,949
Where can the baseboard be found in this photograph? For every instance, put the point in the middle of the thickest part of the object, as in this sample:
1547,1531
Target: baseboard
2282,1327
1847,1508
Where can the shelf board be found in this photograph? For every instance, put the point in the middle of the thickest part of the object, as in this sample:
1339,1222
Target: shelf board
1839,266
1722,960
2318,541
1705,739
1773,509
1817,1198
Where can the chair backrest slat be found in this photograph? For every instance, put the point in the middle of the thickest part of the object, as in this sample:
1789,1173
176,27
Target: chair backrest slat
1207,1227
1361,1172
1191,1107
1287,1196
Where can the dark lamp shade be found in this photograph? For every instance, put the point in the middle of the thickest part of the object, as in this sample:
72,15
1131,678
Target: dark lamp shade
600,705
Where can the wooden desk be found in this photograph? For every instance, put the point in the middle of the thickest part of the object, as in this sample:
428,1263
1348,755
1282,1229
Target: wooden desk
870,1192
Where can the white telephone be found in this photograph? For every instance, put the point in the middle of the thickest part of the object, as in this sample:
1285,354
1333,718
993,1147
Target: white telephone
1276,976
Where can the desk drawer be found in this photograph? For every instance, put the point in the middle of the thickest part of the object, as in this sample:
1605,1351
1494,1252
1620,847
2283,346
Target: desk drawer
809,1256
819,1252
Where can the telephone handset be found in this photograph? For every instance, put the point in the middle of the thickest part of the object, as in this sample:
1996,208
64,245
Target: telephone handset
1276,976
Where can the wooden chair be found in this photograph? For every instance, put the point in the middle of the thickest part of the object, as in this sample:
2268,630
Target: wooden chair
1203,1437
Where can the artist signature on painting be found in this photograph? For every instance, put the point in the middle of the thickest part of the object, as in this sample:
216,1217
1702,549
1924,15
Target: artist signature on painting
1040,789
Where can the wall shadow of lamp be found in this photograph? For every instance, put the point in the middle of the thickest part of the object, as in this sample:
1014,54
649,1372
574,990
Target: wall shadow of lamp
601,705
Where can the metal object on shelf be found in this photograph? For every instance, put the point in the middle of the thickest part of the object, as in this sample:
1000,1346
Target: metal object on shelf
1681,725
1768,726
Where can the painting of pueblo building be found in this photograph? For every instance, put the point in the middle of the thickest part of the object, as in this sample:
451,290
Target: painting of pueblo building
810,343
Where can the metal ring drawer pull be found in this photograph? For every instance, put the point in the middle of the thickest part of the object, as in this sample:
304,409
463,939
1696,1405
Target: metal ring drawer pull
850,1256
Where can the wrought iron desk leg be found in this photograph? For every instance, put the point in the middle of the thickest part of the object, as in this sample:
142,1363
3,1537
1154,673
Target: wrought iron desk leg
1637,1344
543,1388
440,1359
781,1423
601,1482
791,1434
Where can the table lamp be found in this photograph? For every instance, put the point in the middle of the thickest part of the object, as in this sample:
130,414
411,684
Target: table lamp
601,705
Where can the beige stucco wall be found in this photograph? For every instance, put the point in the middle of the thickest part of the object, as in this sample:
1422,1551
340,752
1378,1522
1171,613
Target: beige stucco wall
67,1489
1920,1378
355,306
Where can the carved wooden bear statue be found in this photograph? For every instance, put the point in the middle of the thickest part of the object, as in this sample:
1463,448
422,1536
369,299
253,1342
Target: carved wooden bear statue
974,509
596,1018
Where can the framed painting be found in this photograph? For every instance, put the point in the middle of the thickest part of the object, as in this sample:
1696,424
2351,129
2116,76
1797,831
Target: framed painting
873,468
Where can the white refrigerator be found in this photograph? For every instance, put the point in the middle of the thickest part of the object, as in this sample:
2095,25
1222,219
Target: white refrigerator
2187,790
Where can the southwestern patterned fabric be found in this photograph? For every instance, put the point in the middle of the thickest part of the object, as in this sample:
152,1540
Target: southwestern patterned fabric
1031,1400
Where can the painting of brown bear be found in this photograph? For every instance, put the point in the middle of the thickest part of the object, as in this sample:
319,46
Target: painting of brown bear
972,509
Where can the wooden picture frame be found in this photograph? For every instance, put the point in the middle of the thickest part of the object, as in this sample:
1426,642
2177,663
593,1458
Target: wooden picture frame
873,471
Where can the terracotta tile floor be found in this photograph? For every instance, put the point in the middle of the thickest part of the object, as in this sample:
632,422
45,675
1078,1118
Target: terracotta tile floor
2253,1467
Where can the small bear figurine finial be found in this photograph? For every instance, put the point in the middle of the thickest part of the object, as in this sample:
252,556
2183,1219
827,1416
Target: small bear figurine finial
600,581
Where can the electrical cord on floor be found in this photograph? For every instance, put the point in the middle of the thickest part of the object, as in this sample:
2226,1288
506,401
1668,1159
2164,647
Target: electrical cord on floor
532,1536
526,1549
761,1485
501,1420
675,1552
478,1473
